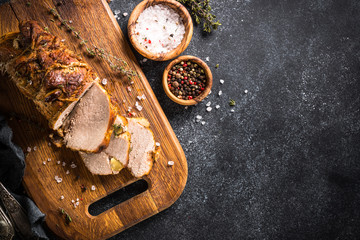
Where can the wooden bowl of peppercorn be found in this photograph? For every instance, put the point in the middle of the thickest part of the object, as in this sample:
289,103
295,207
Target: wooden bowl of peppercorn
187,80
142,48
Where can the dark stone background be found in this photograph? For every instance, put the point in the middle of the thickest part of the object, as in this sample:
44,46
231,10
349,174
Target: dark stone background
285,164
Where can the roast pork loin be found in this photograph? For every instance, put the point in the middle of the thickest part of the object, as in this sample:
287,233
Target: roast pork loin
115,157
66,91
141,156
88,127
45,71
137,155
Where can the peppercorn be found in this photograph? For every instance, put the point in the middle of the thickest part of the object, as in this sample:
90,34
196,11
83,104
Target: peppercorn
186,80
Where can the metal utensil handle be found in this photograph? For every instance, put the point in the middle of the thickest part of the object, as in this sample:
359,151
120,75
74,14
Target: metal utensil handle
6,228
16,213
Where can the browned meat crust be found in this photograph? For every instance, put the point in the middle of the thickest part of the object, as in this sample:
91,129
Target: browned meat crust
45,70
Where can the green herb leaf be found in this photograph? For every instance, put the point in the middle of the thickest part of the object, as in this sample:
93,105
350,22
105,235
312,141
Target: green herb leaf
28,4
217,66
118,129
68,219
232,102
201,11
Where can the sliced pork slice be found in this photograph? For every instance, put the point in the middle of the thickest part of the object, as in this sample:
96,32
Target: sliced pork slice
88,127
97,163
142,152
116,156
119,145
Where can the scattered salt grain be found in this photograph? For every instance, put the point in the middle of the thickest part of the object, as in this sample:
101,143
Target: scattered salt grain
159,29
128,89
117,11
198,117
77,199
145,59
62,197
208,104
28,149
232,110
49,144
35,148
125,14
222,81
220,93
203,123
132,82
63,40
49,159
67,172
44,163
138,107
209,109
157,144
73,201
73,165
246,91
58,179
104,81
186,107
142,97
217,106
170,163
63,164
207,59
93,188
58,162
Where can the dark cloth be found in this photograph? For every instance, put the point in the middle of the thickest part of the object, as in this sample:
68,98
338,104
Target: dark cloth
12,165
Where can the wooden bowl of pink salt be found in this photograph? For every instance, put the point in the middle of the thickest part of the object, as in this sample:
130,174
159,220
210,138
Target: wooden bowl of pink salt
160,29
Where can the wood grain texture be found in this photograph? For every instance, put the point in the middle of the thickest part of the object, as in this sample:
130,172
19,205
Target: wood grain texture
96,23
177,7
208,74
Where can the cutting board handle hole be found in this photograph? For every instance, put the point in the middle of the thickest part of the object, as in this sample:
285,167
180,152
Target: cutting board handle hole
118,197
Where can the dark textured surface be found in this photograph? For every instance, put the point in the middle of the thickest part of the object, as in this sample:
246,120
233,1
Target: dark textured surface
285,164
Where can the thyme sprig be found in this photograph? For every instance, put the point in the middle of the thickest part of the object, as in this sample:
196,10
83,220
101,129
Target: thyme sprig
68,219
92,50
201,11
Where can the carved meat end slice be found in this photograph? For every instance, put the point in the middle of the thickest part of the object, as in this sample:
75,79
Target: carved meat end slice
116,156
142,146
45,71
88,127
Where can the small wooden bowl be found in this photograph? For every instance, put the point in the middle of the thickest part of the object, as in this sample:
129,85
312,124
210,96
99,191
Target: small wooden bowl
208,75
176,6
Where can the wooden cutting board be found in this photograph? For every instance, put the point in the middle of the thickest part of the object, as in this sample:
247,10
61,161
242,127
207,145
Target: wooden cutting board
95,21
